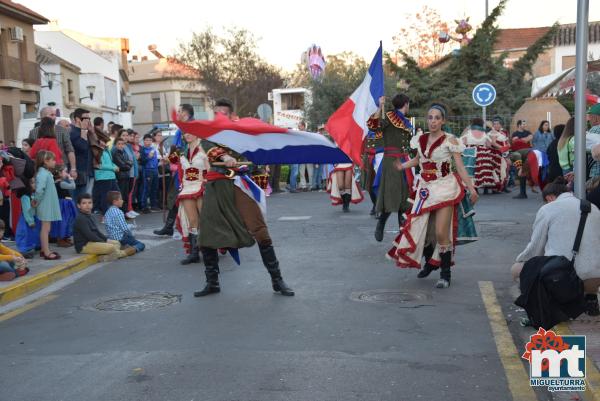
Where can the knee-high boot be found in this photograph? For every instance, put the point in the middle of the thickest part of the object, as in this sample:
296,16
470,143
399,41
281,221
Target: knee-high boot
346,198
381,225
373,197
211,270
445,263
267,252
428,268
522,188
169,223
194,255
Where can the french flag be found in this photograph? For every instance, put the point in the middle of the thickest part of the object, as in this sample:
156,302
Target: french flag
348,125
263,143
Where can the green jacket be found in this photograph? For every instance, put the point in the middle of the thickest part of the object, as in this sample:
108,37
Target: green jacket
106,169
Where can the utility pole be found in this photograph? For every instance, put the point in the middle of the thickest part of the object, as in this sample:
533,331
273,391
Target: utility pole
580,86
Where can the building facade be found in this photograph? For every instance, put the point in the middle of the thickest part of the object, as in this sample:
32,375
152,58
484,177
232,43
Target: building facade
60,82
160,85
559,56
20,82
100,79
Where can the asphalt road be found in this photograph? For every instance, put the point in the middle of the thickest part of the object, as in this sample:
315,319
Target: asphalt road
335,340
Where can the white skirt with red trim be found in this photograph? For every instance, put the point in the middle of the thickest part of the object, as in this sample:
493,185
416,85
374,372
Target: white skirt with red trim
334,190
408,247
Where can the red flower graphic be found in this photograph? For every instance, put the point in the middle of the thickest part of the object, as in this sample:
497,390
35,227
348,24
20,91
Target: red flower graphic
544,340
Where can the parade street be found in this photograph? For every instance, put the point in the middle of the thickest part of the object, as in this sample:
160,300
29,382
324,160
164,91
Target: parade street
357,329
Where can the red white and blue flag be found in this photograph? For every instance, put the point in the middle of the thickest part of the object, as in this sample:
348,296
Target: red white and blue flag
263,143
348,125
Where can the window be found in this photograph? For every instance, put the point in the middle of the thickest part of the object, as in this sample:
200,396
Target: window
568,62
70,91
292,101
197,103
155,104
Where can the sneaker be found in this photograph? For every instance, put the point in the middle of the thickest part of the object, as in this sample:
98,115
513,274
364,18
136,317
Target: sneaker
155,209
131,215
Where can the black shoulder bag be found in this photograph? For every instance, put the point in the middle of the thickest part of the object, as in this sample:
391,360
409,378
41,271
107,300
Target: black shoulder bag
558,274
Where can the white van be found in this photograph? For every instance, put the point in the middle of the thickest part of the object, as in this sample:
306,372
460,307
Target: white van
26,125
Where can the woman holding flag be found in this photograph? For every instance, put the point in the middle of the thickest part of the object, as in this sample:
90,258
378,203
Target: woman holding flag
439,193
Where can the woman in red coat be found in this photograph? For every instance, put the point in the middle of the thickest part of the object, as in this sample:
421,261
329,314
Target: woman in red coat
47,141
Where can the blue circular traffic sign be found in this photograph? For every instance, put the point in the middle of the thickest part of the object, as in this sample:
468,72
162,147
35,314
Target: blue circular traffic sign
484,94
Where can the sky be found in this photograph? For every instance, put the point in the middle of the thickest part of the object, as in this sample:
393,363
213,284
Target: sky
286,28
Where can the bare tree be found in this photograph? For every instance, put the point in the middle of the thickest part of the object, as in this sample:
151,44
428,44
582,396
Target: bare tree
230,67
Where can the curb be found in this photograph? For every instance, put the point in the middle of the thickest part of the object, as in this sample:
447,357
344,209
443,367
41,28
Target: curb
592,379
44,279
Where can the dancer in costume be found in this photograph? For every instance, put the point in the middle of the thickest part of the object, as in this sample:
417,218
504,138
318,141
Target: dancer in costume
372,166
185,113
192,164
433,220
394,185
230,218
500,154
475,137
342,187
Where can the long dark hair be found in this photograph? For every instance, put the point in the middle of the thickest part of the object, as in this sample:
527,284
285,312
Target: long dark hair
568,132
541,127
46,128
558,130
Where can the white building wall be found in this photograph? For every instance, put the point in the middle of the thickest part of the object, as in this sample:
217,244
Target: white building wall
562,51
87,60
48,95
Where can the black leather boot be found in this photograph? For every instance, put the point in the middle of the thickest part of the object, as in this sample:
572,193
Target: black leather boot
381,225
446,261
267,252
194,255
373,197
522,189
591,305
428,268
169,223
211,270
346,202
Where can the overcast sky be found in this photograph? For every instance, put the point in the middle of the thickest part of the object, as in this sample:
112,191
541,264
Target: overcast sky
286,28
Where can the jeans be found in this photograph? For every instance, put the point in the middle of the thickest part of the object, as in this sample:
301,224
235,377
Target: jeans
150,189
124,188
294,176
101,189
129,239
7,267
317,176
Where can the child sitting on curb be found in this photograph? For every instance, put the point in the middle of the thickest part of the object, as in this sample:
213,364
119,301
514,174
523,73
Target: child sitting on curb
10,258
87,237
116,226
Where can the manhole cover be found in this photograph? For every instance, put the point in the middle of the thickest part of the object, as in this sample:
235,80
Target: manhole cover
137,303
407,298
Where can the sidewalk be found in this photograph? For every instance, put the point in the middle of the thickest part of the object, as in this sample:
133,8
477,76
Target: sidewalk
45,272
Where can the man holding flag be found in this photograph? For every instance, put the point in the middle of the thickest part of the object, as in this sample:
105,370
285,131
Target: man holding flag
348,127
231,216
394,186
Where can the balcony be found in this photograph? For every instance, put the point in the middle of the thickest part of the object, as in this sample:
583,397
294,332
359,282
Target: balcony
21,72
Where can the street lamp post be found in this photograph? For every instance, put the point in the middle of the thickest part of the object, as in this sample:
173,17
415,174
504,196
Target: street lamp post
580,86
